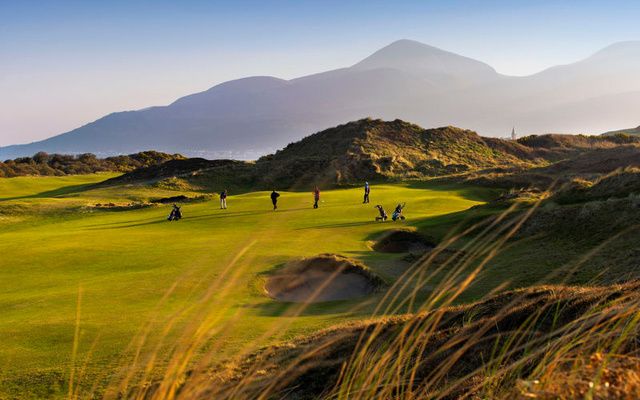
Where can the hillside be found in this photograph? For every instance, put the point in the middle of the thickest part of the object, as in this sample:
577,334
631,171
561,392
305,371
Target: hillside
387,150
567,165
632,131
517,344
352,153
379,150
253,116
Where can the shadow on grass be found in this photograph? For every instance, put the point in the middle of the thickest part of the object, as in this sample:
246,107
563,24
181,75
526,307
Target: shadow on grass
65,190
353,307
474,193
134,225
186,218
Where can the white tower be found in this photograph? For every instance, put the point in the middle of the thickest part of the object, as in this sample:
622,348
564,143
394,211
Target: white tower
513,133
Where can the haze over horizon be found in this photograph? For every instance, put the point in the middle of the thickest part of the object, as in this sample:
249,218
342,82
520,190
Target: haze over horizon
68,63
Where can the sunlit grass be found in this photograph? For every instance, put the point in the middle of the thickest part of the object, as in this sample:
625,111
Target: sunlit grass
178,310
157,297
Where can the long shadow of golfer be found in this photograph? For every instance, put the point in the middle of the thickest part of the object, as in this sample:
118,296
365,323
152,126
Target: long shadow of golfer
107,224
186,219
157,221
242,214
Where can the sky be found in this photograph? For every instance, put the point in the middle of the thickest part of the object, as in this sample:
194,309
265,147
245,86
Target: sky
66,63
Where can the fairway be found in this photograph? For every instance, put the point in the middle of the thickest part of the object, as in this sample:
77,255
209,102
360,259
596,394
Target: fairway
131,279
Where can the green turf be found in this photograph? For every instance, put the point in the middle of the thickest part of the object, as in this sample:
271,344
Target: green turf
53,243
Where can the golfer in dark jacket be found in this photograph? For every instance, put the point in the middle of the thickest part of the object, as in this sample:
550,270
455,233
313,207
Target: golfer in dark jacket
223,200
274,199
367,190
316,197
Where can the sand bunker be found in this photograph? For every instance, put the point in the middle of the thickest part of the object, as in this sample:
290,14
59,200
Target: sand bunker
326,277
403,241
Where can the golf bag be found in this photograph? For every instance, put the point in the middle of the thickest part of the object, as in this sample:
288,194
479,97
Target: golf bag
175,214
397,213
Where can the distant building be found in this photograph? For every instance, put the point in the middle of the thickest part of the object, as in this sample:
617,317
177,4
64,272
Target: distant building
513,134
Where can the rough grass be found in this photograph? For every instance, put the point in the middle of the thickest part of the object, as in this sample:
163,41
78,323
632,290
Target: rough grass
552,341
617,184
588,164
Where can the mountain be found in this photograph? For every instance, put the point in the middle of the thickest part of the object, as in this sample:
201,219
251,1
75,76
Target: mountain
441,68
249,117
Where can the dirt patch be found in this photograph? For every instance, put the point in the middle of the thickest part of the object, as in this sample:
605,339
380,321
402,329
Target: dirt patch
327,277
403,241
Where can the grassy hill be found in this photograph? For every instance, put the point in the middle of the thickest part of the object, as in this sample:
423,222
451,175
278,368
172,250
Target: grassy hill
362,150
376,150
386,150
632,131
587,166
542,342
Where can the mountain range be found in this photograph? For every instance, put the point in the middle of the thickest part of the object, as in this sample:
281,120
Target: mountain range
250,117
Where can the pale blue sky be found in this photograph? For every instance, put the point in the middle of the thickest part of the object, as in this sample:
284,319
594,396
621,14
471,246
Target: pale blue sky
66,63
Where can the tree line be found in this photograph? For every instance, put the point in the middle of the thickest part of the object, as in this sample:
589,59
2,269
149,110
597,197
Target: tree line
44,164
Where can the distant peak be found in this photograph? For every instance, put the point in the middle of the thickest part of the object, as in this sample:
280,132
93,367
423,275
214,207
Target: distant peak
410,44
406,48
424,60
619,48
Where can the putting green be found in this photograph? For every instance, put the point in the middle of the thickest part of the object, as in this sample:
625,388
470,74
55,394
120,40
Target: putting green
147,282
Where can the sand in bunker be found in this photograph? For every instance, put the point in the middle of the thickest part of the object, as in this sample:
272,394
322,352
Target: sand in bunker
323,278
403,241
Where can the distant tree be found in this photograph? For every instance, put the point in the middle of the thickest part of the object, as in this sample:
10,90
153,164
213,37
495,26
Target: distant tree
41,157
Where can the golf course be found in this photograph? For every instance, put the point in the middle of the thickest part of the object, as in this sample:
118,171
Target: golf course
479,266
96,284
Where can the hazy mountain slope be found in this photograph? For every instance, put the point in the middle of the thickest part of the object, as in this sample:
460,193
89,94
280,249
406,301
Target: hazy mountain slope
249,117
441,68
